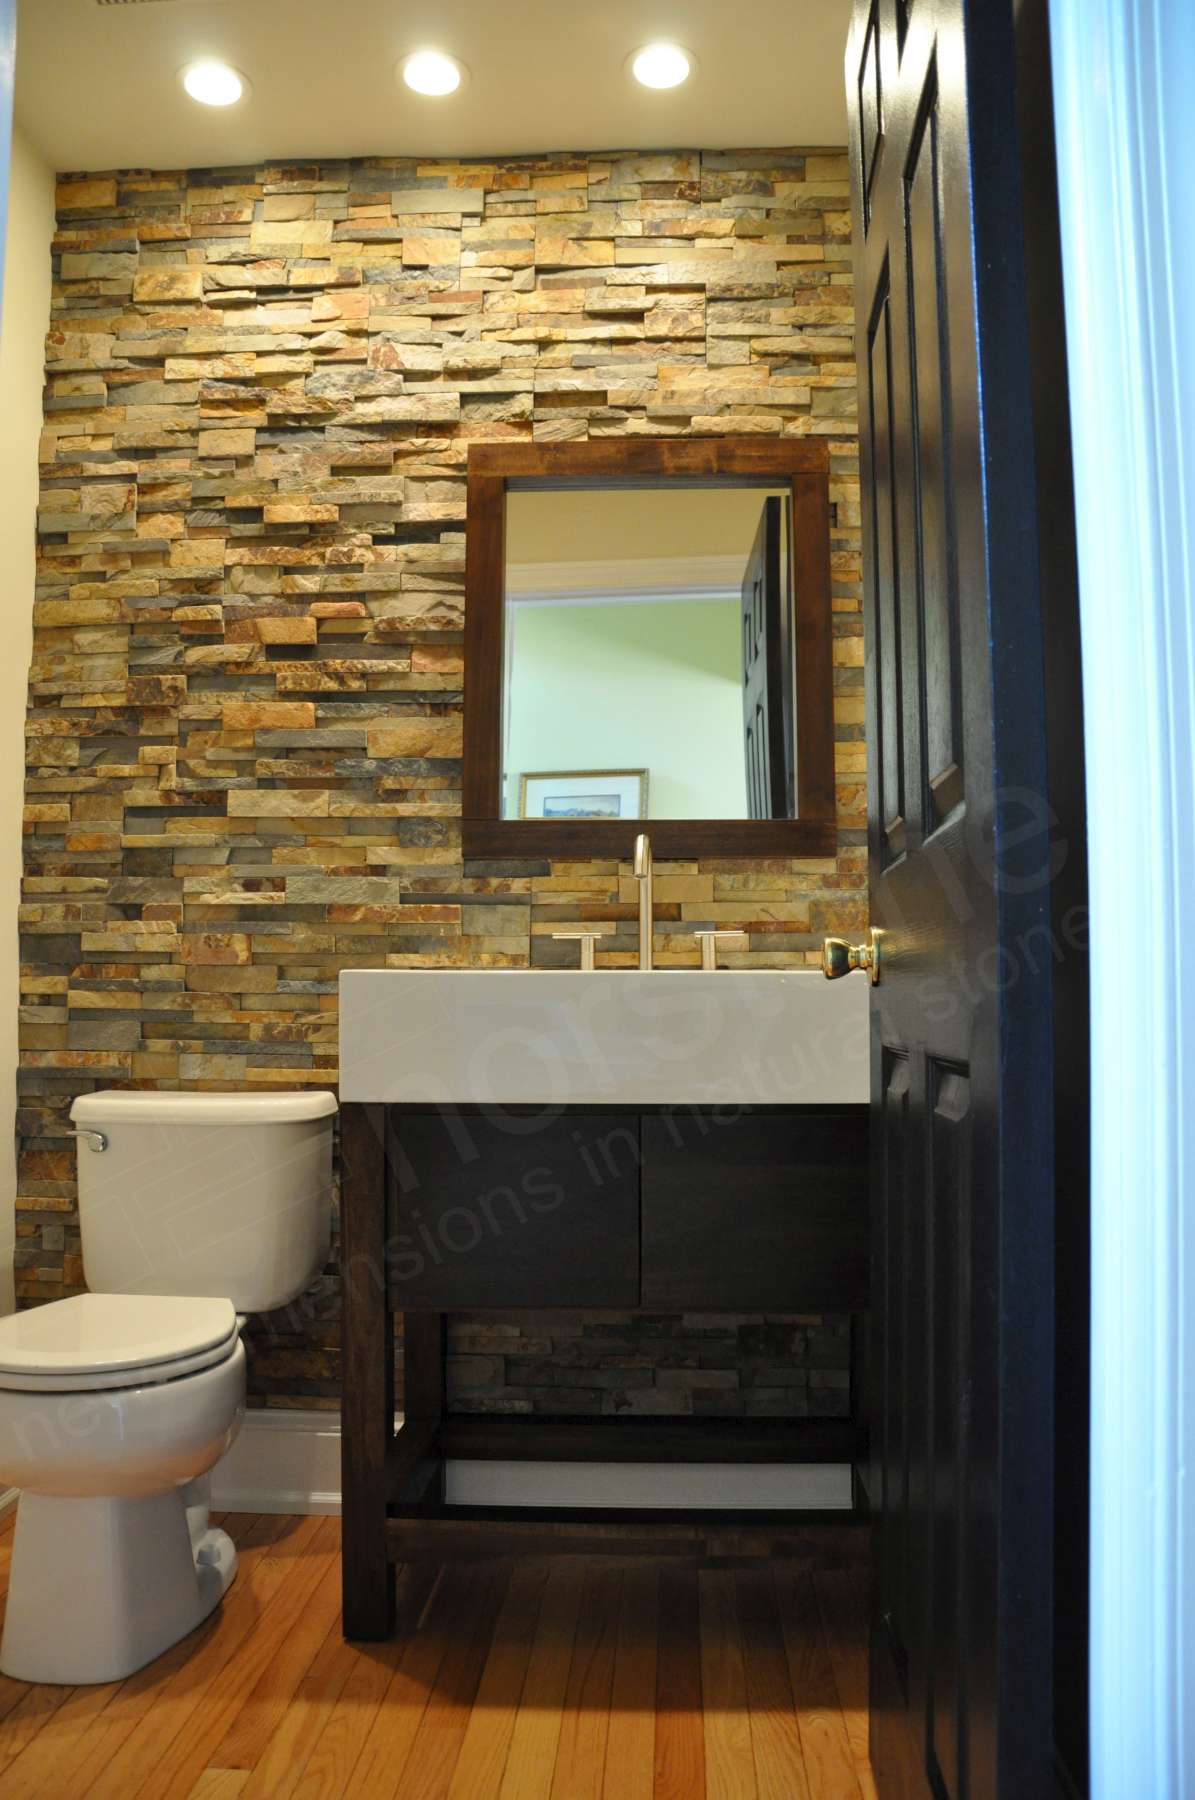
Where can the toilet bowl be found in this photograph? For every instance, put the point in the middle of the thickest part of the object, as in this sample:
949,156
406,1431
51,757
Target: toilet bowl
111,1409
114,1406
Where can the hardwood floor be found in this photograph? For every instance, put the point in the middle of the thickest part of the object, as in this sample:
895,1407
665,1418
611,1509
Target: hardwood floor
537,1681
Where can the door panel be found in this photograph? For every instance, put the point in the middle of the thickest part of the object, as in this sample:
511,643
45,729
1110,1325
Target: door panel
950,1093
885,648
962,1303
870,104
932,473
890,1408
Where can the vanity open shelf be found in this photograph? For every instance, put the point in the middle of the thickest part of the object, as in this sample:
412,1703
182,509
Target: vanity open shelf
559,1189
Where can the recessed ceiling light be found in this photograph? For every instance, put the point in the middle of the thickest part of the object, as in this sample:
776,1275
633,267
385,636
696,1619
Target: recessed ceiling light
661,65
432,72
214,83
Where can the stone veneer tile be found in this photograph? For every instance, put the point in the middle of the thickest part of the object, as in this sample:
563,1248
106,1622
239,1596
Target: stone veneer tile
245,692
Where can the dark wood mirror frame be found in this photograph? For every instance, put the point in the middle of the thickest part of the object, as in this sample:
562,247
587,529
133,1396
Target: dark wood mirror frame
627,462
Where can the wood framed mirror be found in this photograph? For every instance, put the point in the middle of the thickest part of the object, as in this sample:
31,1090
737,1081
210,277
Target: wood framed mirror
648,647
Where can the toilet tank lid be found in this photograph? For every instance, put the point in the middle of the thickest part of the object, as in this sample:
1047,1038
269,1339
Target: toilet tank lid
124,1106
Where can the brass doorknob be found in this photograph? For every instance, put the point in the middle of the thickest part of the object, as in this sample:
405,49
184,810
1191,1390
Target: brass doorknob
839,957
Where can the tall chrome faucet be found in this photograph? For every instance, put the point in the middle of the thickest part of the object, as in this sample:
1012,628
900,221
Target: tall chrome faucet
643,877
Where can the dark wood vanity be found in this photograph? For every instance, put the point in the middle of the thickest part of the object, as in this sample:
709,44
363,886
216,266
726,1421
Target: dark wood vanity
622,1206
661,1210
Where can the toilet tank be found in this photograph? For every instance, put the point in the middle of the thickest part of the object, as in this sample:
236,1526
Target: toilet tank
221,1195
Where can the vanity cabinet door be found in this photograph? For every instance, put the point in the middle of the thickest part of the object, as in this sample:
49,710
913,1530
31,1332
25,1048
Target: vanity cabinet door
513,1212
765,1212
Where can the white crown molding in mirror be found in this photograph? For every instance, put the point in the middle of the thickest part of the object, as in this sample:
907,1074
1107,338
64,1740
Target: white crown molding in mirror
622,579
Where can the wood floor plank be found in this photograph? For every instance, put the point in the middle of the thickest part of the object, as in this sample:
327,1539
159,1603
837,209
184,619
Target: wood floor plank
780,1772
11,1694
486,1743
536,1735
53,1733
428,1770
202,1727
37,1770
829,1759
279,1769
32,1712
548,1681
335,1754
219,1784
351,1754
84,1754
239,1525
434,1604
581,1752
263,1709
7,1522
680,1738
846,1638
861,1578
142,1721
729,1757
631,1741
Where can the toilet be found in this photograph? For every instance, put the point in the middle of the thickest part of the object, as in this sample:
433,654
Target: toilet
194,1209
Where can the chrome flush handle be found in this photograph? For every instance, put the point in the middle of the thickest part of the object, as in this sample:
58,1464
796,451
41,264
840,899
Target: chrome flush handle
95,1140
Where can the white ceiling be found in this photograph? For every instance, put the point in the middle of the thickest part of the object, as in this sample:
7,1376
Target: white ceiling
97,87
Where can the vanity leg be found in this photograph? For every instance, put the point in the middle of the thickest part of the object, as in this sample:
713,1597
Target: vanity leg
417,1486
424,1399
367,1376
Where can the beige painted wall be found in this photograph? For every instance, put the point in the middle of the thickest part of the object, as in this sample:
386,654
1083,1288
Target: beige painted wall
652,685
26,313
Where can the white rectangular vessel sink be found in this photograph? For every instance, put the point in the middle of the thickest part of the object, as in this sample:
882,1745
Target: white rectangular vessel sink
617,1037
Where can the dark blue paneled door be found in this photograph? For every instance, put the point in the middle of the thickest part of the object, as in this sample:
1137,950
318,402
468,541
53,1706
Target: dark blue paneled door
961,1369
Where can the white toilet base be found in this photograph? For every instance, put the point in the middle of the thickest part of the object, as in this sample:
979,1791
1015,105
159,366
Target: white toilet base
99,1587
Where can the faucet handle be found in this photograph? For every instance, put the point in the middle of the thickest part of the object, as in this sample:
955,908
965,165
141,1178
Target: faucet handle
709,941
588,937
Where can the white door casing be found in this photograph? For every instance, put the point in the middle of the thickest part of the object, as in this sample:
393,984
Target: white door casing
1124,75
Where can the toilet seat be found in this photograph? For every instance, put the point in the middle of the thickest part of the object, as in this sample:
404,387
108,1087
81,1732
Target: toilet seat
97,1341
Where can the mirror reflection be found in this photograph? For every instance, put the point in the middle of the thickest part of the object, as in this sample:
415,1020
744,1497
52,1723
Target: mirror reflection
648,653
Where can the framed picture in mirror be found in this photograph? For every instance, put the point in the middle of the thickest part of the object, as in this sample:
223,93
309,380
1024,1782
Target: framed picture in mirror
584,794
636,604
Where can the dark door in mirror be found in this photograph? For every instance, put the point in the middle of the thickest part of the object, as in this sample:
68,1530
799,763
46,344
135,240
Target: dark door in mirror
767,681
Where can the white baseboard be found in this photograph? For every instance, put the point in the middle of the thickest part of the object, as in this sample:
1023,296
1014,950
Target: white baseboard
283,1461
8,1497
288,1461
